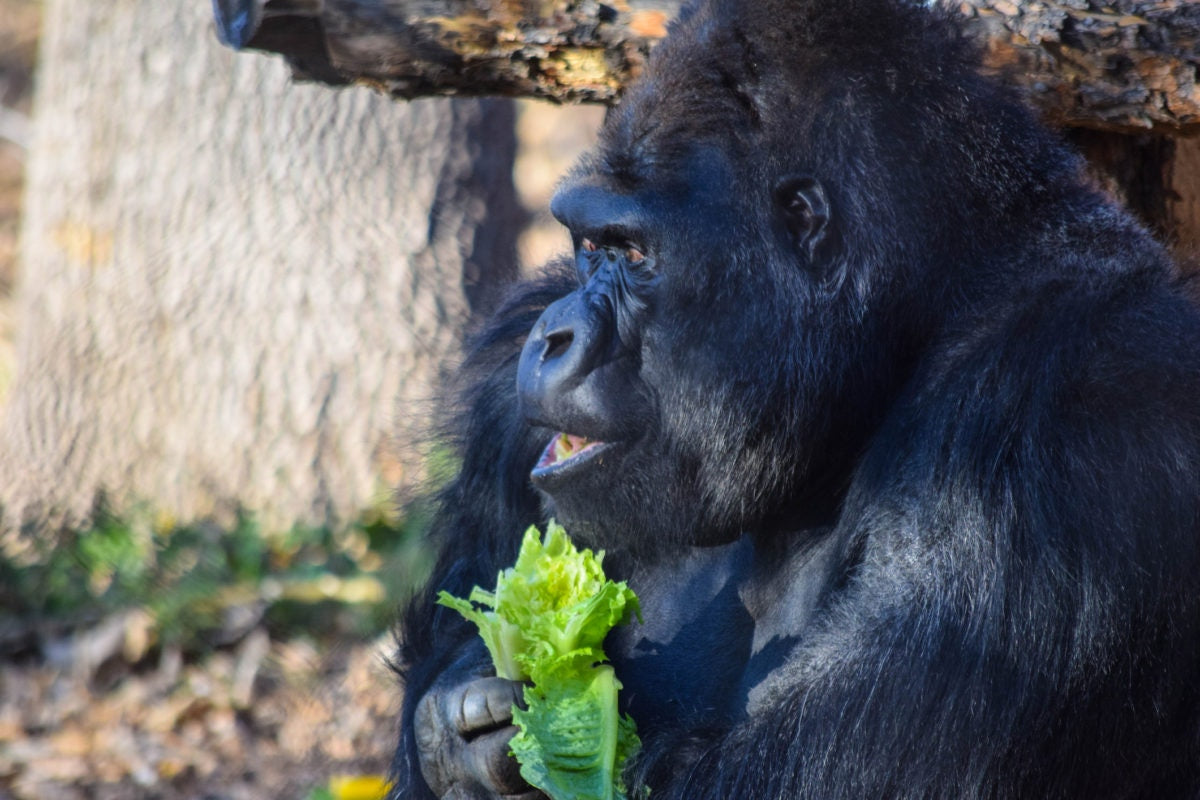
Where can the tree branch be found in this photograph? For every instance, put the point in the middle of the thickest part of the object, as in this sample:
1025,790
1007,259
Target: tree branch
554,49
1128,65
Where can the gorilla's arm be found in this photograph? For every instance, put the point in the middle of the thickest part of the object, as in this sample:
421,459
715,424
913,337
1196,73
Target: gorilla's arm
480,515
1020,613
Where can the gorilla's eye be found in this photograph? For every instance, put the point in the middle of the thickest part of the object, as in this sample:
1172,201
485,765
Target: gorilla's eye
611,248
590,257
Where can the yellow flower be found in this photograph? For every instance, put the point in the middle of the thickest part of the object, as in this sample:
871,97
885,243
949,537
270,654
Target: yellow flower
359,787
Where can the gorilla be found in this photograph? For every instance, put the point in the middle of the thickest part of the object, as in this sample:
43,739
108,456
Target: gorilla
889,417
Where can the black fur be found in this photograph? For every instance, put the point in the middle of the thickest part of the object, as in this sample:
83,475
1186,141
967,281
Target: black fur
911,495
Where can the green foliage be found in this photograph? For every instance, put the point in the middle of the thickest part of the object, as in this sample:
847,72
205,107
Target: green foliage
546,623
193,579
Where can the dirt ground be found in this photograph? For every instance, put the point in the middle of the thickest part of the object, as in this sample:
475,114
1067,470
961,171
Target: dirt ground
97,715
264,719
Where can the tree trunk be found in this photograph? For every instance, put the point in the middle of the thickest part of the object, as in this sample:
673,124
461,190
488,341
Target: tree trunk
236,290
1183,201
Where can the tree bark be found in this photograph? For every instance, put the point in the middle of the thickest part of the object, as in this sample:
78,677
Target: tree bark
1124,65
235,287
1127,66
1183,201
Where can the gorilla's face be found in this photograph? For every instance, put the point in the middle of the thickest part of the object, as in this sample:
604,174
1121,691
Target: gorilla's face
678,384
605,368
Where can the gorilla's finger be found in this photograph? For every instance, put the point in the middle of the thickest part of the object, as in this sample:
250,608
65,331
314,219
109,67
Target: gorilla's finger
486,704
489,761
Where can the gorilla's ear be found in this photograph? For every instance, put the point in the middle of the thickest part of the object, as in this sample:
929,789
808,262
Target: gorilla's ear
804,207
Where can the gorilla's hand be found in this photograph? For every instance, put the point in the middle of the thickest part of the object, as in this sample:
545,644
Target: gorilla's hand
463,726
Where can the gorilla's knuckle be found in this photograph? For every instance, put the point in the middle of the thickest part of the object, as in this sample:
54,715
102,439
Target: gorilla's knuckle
473,708
500,700
428,728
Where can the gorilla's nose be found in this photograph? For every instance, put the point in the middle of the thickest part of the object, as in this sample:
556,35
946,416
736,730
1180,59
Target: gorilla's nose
556,360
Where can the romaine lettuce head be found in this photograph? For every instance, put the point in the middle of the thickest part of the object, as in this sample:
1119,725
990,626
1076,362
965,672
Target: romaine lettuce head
545,623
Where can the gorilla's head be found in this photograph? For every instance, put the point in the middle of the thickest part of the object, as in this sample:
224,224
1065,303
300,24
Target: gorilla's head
774,223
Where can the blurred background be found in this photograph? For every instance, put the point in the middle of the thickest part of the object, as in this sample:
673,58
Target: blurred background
226,301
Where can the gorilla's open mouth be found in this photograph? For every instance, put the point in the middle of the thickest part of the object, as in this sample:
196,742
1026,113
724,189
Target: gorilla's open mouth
567,451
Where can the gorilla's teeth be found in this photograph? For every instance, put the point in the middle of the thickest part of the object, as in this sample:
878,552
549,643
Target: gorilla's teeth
563,447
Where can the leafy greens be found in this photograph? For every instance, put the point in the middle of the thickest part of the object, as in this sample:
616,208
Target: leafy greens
545,623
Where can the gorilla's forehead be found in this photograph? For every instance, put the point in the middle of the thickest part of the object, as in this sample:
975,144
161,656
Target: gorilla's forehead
658,135
649,185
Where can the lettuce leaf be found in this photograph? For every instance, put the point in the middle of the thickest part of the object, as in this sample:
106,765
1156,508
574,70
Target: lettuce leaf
545,623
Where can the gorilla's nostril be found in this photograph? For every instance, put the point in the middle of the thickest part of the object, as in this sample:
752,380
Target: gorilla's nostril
557,342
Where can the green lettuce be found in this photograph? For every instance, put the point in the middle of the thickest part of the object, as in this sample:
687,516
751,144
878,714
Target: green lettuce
545,623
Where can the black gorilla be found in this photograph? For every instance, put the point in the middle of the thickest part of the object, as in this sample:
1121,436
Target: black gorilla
890,419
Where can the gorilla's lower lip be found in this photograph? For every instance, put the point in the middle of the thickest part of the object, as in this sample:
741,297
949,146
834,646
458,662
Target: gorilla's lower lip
567,452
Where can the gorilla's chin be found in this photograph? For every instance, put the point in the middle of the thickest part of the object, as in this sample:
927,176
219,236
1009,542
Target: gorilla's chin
615,500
